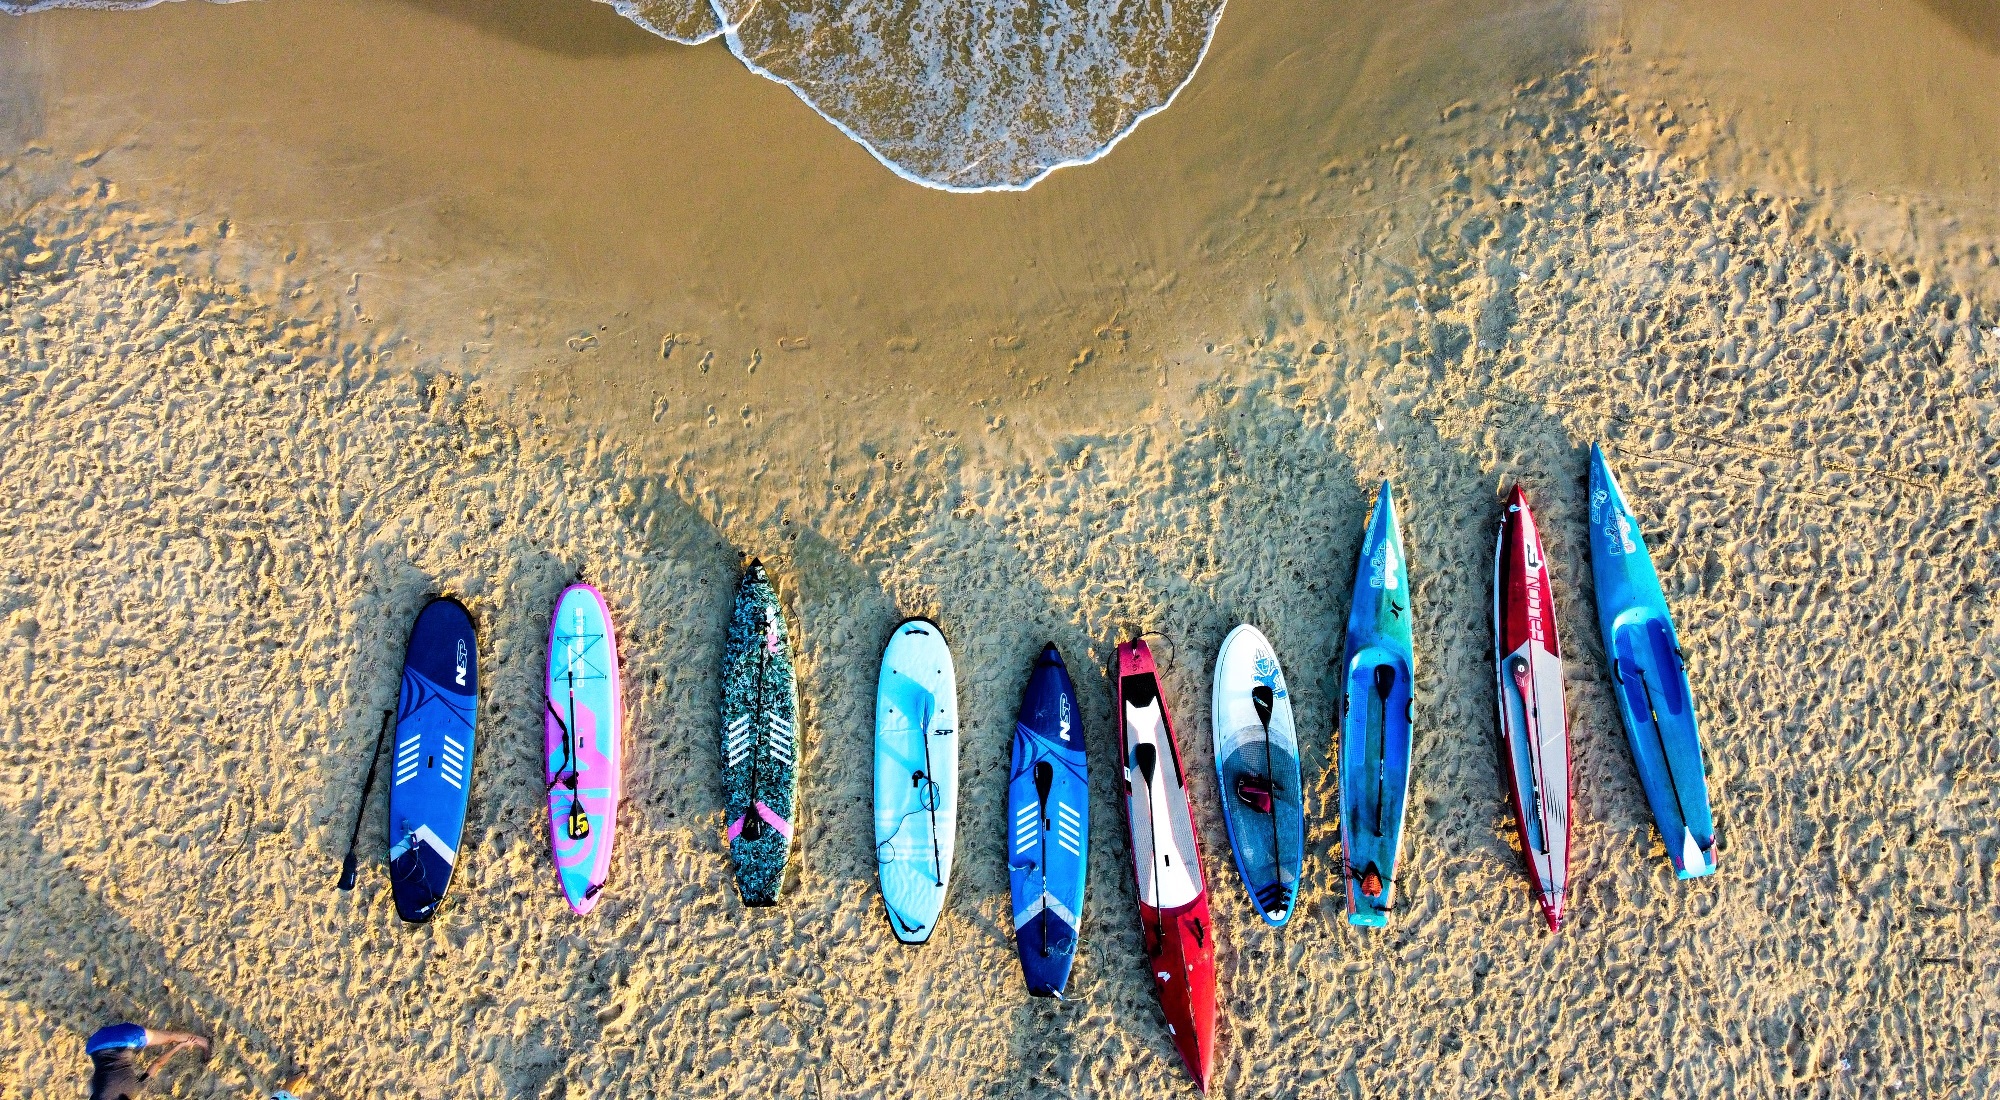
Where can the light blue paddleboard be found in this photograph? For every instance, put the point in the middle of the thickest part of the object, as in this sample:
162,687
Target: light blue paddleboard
916,777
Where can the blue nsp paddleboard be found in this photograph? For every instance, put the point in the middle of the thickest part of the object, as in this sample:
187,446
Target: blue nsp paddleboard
1649,676
1048,832
432,772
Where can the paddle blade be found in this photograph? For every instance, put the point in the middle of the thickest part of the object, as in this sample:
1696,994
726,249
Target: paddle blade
1147,757
1045,778
1263,699
348,869
1385,680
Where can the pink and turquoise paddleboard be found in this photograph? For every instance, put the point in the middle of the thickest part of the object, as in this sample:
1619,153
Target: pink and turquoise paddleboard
581,725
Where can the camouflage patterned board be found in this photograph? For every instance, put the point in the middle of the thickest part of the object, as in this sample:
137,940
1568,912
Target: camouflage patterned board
760,709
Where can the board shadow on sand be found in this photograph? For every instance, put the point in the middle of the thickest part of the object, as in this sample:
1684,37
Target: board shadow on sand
575,29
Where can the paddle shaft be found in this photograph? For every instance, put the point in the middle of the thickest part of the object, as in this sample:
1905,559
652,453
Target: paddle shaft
1044,779
1666,760
1146,761
1530,693
1384,684
348,867
753,824
1262,699
937,854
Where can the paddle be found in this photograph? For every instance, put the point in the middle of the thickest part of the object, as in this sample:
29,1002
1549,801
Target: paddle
753,824
1263,699
1385,682
578,821
1045,777
1524,686
1646,691
348,867
930,790
1147,757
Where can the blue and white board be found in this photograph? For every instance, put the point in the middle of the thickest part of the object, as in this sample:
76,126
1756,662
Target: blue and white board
916,777
1048,832
1649,676
432,772
1257,763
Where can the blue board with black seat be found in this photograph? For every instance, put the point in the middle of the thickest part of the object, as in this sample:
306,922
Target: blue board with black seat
431,777
1376,737
1649,677
1048,826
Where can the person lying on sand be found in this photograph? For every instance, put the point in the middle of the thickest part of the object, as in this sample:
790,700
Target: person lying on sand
114,1055
114,1052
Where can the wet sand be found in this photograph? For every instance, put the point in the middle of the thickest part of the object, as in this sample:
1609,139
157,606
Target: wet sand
311,310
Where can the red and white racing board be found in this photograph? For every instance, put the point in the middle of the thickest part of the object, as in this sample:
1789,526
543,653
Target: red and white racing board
1534,728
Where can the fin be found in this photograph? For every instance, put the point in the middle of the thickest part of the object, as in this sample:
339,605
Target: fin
1696,860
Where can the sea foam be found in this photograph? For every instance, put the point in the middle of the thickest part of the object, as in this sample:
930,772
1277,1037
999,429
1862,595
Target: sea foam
986,95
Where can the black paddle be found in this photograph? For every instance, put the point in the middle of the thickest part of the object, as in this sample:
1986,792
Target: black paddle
1263,698
1045,777
1147,757
1646,690
1385,682
578,820
347,866
1524,686
931,790
753,825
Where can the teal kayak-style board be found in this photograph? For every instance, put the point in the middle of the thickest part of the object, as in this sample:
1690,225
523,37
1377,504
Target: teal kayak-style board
760,712
1649,676
1378,672
916,777
1257,763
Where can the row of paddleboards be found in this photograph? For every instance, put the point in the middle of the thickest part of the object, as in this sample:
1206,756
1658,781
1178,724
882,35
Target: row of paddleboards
1255,742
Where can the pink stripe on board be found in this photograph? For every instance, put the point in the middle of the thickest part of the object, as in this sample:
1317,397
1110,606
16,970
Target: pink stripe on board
768,814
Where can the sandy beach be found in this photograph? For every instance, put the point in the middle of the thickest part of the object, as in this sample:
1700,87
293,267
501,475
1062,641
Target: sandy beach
309,310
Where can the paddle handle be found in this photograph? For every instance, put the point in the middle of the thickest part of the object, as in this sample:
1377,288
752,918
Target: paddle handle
349,866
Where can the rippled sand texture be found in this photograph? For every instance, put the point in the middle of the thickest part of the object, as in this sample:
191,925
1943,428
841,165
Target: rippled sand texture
222,498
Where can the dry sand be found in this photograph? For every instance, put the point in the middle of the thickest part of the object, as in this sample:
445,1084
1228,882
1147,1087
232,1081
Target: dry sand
251,414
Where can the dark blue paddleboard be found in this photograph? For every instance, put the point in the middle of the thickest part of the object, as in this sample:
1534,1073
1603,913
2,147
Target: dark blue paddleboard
432,770
1048,832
